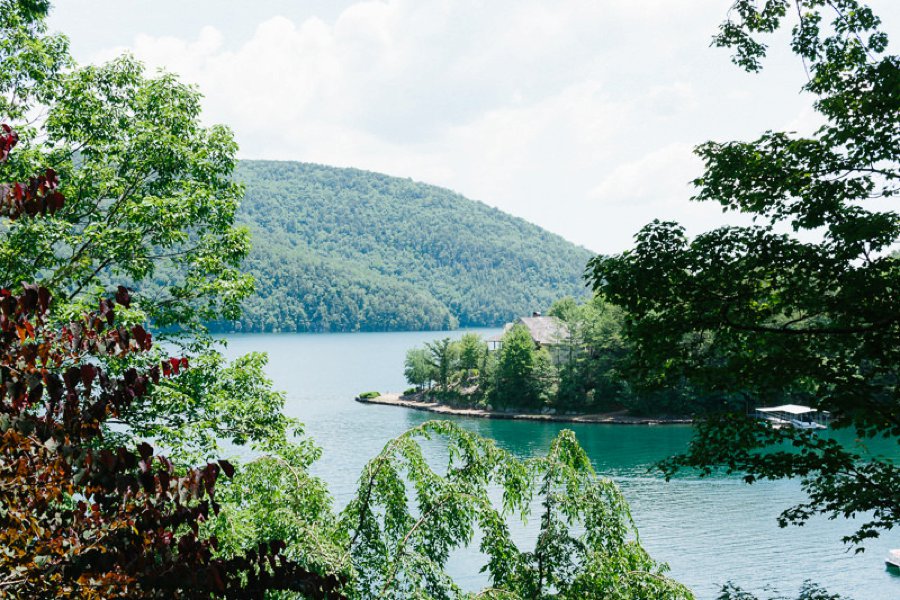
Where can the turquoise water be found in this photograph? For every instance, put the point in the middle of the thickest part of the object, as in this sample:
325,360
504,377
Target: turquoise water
709,530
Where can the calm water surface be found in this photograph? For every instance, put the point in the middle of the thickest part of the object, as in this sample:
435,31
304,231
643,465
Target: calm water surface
709,531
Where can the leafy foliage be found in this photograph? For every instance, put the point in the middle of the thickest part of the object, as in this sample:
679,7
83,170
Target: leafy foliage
83,518
105,523
346,250
443,358
274,499
147,188
472,353
524,375
418,369
591,371
212,403
407,518
775,316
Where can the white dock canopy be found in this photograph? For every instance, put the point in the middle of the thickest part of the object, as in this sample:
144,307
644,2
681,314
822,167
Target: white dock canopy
791,409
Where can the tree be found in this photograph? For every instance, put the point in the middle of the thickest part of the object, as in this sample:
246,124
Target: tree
148,191
592,371
150,202
83,516
442,356
523,375
756,313
595,371
138,188
86,521
567,310
471,352
30,58
418,368
587,546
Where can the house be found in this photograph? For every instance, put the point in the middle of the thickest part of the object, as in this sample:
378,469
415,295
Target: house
547,332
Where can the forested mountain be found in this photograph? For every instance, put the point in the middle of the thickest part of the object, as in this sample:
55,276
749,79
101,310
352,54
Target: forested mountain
346,250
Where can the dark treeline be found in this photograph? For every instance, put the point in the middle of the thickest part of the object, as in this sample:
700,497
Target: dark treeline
347,250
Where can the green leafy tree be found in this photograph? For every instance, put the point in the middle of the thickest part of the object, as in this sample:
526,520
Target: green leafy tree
567,310
148,190
86,516
594,356
407,518
30,59
418,368
769,315
523,375
148,194
471,352
443,357
274,497
596,370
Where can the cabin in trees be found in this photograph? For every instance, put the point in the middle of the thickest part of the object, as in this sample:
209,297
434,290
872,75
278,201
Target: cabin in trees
546,332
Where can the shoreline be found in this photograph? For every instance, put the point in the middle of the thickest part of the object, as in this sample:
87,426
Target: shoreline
613,418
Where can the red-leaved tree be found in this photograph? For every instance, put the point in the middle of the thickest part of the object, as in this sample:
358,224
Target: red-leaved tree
78,517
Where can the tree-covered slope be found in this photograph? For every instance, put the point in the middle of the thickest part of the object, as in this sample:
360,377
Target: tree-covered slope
345,250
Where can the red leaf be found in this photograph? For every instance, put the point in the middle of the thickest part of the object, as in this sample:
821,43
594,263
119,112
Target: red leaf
88,373
123,297
227,467
43,299
145,450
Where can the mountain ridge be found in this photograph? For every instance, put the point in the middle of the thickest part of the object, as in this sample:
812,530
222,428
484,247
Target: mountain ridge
344,249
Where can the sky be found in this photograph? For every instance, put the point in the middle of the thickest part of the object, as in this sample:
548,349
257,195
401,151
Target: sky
577,115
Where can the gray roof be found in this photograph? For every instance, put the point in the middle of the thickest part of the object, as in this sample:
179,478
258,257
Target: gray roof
546,331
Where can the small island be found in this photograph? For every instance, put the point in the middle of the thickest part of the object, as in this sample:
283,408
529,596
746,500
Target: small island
570,365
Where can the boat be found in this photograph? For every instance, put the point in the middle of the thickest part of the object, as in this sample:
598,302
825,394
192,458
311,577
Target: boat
893,560
793,415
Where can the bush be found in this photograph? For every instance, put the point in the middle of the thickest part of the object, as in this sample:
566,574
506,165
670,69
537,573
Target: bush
368,395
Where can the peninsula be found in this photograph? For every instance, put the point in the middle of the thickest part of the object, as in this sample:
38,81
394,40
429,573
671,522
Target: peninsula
620,417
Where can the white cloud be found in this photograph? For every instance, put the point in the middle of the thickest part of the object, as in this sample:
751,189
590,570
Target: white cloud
575,114
662,176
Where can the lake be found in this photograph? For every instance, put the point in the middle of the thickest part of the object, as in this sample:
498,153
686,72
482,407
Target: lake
709,531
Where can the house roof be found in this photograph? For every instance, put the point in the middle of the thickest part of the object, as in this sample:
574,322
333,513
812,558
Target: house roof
546,331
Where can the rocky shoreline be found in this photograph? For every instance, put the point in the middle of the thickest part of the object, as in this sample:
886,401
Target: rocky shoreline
614,418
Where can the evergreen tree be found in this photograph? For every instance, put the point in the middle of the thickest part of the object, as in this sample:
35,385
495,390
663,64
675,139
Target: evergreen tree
471,352
521,375
442,356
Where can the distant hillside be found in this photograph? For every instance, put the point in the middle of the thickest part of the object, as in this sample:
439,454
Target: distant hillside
349,250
